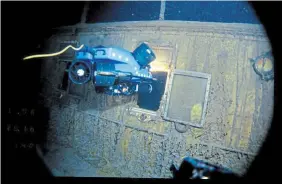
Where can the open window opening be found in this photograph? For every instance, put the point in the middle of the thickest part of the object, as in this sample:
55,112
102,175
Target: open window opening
159,68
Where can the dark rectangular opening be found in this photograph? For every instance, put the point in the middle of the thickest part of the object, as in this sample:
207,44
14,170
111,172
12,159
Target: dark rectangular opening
151,101
65,80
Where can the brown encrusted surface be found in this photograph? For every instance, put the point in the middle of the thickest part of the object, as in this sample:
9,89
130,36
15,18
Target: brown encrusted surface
98,127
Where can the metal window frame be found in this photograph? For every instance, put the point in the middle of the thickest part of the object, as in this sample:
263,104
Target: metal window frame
191,74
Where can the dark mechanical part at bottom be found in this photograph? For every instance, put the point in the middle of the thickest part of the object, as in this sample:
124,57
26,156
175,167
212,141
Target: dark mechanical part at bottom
192,168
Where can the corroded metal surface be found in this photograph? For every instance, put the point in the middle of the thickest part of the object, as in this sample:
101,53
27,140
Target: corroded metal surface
98,128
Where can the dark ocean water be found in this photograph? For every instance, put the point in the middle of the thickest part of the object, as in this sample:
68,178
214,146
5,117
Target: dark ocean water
209,11
206,11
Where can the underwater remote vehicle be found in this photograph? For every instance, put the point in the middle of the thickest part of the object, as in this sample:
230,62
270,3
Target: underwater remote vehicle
113,70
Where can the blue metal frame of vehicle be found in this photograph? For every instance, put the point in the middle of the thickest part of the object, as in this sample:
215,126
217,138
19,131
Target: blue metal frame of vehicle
114,71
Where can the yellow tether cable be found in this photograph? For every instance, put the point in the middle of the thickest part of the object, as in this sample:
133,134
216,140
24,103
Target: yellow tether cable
53,54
